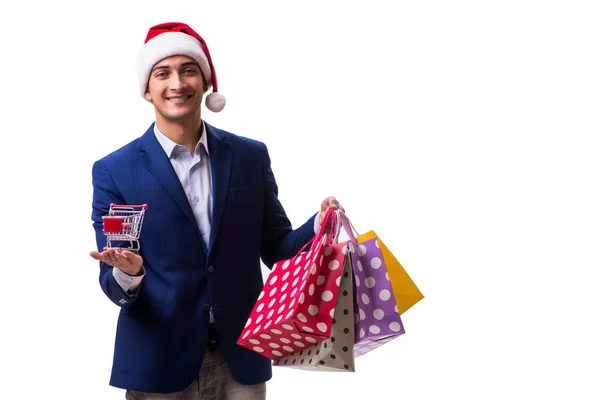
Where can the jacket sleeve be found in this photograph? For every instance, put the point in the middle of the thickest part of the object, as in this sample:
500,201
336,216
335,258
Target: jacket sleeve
105,193
279,240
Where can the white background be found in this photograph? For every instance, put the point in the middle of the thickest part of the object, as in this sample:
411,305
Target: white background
463,132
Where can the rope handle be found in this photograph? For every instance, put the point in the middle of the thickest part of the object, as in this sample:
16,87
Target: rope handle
345,222
321,234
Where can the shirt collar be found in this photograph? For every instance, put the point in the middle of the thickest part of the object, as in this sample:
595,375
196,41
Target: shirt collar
168,145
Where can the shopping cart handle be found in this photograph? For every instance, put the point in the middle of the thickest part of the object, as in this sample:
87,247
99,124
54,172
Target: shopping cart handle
112,205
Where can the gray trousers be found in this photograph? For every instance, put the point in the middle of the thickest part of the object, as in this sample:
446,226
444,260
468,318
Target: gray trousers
214,382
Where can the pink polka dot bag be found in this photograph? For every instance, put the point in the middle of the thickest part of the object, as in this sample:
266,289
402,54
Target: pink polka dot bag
296,307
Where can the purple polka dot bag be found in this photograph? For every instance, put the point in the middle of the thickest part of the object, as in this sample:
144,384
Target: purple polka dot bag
376,316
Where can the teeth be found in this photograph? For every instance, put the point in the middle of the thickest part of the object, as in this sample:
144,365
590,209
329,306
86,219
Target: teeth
179,98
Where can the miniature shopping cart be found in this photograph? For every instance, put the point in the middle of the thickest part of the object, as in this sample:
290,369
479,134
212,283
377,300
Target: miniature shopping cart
123,224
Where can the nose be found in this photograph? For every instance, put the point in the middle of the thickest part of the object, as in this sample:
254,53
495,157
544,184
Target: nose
176,83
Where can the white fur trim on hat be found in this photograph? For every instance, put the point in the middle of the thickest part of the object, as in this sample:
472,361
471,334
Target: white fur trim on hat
169,44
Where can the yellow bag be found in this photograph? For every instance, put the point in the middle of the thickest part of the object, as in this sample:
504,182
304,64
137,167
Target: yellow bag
407,294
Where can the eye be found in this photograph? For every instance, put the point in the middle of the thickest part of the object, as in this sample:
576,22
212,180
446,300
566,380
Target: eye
189,71
161,75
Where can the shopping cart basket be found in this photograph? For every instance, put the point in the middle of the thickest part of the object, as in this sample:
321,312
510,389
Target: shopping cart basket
123,224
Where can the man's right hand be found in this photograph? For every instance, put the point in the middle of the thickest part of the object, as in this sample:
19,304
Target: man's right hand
125,260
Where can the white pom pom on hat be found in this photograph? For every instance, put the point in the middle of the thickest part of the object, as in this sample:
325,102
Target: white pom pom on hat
176,38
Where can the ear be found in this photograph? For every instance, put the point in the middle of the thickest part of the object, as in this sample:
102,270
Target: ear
148,96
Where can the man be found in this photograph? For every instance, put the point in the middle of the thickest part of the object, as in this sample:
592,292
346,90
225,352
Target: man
213,214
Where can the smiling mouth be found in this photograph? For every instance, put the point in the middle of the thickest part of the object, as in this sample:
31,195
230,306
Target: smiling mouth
179,99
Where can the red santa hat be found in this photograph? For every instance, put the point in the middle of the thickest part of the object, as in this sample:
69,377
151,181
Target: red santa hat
175,38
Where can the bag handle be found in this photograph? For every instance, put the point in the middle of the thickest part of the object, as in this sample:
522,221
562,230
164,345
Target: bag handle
321,235
337,228
347,225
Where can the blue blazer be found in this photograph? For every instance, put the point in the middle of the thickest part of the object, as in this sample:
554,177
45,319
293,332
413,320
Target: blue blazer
162,329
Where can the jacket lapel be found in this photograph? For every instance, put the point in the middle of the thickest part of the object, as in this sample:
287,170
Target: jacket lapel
157,162
219,148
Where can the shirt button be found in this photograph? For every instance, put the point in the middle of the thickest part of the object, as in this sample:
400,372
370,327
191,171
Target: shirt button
210,269
206,307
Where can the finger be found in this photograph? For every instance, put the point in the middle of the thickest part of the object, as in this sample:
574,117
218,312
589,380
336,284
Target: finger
127,259
106,260
111,257
326,203
338,206
334,205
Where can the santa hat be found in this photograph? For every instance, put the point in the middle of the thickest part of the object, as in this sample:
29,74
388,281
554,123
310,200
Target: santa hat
175,38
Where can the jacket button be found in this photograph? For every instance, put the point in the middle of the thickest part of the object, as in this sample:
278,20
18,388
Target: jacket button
206,307
210,269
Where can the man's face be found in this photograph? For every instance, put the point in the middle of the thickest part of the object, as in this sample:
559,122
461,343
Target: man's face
176,88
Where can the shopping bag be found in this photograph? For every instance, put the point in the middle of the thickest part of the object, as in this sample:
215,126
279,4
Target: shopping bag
376,314
406,292
337,352
377,320
296,305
